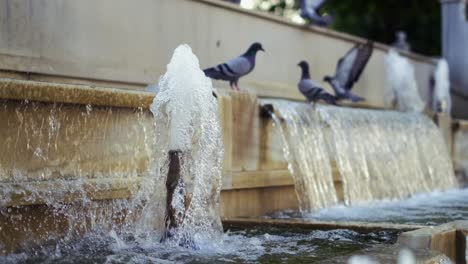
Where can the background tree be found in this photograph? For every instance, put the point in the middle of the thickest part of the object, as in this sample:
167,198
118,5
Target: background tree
379,19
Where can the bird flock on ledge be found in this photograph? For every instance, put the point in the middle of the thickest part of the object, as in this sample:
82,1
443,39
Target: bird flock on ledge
348,71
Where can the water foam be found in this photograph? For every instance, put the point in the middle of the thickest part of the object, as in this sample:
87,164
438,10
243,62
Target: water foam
186,118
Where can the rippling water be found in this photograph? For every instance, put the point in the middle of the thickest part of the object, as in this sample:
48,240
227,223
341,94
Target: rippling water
428,209
256,245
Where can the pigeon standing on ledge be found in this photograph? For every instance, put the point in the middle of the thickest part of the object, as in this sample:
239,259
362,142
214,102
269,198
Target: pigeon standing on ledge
348,71
310,89
400,42
235,68
310,11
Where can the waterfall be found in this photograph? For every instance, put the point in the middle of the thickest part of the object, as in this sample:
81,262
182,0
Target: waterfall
378,154
306,153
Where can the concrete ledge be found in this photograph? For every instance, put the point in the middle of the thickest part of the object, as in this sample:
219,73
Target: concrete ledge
321,225
449,239
73,94
67,191
257,179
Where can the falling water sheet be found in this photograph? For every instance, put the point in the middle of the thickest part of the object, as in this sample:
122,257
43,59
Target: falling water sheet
377,154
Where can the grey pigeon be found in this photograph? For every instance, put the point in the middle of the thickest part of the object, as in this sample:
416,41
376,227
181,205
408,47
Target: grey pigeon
400,42
235,68
233,1
348,71
310,11
310,89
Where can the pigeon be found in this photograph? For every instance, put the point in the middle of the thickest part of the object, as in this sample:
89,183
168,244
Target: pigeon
400,42
310,89
309,11
348,71
401,89
235,68
440,88
233,1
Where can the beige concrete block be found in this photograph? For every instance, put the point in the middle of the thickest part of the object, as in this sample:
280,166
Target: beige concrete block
257,201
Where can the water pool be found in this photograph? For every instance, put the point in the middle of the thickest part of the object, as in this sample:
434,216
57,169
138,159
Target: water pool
427,209
253,245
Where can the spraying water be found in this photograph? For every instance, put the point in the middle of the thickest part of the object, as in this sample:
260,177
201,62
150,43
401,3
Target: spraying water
75,192
440,88
401,88
377,154
188,151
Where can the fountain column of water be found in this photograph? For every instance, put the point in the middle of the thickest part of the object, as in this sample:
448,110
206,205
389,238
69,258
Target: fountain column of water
188,152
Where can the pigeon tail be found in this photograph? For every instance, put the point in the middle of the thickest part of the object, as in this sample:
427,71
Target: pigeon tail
355,98
325,21
329,98
213,74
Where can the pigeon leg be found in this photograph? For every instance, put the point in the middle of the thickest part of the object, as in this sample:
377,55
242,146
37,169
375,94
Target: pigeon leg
236,85
232,84
314,105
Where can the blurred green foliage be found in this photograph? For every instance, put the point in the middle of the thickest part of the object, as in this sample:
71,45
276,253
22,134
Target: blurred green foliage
380,19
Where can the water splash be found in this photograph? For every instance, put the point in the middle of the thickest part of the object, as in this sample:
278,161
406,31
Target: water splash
73,192
401,89
377,154
188,131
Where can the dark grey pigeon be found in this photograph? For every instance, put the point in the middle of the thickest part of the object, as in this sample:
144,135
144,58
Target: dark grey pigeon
348,71
310,89
400,42
233,1
310,11
235,68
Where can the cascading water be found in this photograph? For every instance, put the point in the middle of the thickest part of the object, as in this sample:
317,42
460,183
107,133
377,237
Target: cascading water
379,154
307,155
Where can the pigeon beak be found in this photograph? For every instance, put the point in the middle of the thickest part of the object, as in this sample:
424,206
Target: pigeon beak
262,49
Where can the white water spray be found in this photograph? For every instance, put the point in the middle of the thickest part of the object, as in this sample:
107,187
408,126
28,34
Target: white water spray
401,88
187,122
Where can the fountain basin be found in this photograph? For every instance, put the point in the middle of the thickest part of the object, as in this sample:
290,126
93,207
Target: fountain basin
60,145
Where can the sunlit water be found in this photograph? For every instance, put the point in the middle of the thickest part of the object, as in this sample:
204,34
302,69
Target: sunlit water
427,209
376,154
185,120
238,246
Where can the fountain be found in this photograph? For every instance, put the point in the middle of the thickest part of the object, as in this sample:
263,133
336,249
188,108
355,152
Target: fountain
94,170
377,154
188,151
122,192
